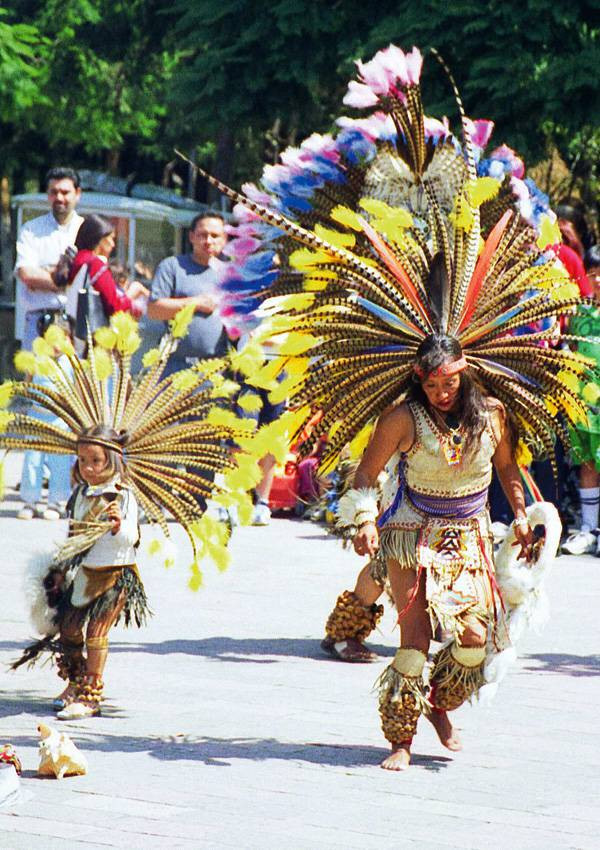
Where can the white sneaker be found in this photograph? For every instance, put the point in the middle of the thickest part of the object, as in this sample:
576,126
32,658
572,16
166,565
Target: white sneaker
26,512
77,711
262,514
580,543
51,512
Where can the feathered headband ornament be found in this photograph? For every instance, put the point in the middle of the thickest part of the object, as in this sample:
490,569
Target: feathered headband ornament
387,233
98,441
445,370
176,433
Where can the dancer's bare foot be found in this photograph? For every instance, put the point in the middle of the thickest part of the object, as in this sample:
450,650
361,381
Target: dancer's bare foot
399,759
446,732
351,650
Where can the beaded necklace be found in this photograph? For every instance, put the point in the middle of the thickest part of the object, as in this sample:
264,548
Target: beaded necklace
450,436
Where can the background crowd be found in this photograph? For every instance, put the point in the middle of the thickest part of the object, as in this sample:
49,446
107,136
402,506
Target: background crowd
64,262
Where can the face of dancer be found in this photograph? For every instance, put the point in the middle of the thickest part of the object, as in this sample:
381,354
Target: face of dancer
93,464
442,391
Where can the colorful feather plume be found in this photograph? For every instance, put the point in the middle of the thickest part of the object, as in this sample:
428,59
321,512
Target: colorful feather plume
177,432
397,229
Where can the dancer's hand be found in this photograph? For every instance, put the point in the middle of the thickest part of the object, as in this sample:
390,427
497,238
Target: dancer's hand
525,539
366,539
113,512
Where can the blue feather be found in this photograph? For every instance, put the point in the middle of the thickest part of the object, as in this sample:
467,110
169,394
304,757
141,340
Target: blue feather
384,315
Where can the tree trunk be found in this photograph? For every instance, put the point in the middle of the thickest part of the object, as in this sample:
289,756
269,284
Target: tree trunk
6,254
113,158
223,168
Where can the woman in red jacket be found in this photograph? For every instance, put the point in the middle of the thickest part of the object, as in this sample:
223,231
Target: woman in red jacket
95,242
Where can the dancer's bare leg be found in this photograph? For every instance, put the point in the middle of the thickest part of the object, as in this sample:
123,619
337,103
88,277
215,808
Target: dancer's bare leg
415,633
367,590
366,593
474,634
446,732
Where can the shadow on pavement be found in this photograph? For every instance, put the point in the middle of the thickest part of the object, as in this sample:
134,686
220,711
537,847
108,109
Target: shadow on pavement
239,649
569,665
25,702
219,752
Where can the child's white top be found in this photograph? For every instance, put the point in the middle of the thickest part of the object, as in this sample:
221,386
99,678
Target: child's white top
111,549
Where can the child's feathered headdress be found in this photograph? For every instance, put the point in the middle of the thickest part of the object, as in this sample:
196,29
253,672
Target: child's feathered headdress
175,435
394,230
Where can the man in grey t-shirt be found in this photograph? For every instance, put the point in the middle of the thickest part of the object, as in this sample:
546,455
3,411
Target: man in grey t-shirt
187,279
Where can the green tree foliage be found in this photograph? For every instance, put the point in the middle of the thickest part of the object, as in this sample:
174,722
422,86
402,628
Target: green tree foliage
119,83
274,70
268,73
99,84
19,63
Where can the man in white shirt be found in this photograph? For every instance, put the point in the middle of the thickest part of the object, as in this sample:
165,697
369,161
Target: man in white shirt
41,242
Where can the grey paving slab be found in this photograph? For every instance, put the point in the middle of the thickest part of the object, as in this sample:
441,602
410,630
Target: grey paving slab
225,726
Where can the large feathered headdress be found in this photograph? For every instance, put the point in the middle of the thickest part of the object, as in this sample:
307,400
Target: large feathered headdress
404,231
175,434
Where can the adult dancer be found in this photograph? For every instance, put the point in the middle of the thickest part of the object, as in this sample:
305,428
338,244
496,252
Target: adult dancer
435,541
403,244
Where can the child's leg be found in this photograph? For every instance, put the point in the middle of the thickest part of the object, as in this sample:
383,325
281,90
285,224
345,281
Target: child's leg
89,694
71,662
96,642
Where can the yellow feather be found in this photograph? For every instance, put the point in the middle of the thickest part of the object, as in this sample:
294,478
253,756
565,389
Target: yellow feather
106,337
180,322
297,343
346,216
591,392
41,348
569,380
334,237
104,363
523,455
25,361
7,390
304,259
282,390
484,189
549,233
250,402
358,445
151,357
462,216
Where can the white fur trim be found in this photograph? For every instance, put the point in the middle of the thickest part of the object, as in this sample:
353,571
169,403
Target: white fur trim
521,585
40,613
359,504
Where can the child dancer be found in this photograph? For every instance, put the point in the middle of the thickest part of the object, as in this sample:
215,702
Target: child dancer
106,585
154,442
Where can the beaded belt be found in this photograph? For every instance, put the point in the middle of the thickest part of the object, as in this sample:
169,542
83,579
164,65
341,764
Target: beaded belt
462,507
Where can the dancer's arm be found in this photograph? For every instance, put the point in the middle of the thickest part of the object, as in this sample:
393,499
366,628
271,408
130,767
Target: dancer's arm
395,431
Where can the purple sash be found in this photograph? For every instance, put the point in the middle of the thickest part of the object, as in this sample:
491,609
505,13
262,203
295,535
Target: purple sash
462,507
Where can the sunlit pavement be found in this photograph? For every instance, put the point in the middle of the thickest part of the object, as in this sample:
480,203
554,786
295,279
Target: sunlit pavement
225,726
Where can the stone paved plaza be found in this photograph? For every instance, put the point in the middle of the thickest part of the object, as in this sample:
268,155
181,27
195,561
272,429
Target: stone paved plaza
225,726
